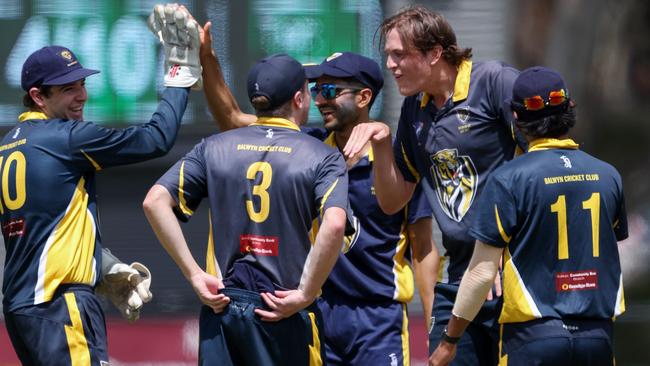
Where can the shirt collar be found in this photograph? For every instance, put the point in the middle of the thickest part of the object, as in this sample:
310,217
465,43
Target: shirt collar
461,86
276,122
546,144
31,115
330,141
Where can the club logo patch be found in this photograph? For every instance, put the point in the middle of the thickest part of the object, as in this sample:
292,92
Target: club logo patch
456,182
66,55
462,115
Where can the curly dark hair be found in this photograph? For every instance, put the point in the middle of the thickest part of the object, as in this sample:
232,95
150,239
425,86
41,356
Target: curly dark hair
423,29
550,127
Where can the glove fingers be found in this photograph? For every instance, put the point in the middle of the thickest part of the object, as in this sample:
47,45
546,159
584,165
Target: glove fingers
193,32
142,282
143,291
134,301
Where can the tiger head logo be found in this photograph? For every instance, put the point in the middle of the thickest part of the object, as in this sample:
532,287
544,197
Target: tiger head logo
456,181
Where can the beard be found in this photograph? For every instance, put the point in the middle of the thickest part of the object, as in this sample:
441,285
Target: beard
346,114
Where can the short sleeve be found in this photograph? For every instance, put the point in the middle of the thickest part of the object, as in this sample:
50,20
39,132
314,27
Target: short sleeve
186,182
404,144
418,206
331,186
496,217
620,223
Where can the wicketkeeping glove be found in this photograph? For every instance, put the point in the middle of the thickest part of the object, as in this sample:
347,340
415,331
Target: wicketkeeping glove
178,33
127,286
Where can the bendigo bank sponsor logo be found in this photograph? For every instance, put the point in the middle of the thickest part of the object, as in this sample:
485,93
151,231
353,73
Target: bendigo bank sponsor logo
575,281
259,245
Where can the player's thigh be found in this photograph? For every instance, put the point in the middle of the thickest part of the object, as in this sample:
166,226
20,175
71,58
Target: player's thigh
536,342
383,338
239,337
69,328
592,342
479,344
476,347
541,352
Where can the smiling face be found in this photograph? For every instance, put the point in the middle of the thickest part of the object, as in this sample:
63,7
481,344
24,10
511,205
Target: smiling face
65,101
411,68
342,111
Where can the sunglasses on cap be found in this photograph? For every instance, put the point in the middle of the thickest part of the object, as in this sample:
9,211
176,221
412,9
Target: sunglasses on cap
331,91
536,103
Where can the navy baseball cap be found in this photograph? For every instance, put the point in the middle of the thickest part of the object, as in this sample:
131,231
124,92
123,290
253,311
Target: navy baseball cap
349,65
539,81
277,77
52,65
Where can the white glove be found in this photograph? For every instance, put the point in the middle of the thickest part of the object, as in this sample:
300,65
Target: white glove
127,286
178,33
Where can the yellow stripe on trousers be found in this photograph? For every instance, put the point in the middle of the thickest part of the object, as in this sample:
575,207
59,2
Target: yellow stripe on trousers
77,344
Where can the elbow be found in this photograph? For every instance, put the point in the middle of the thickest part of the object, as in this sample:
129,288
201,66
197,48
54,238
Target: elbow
389,208
154,200
336,222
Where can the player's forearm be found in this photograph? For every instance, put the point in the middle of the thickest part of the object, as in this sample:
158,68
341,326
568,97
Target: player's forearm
392,190
425,262
324,252
222,103
158,209
477,280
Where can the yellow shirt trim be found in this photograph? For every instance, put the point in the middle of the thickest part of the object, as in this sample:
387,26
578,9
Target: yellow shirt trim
30,115
327,195
545,144
181,193
330,141
502,232
276,122
461,86
92,161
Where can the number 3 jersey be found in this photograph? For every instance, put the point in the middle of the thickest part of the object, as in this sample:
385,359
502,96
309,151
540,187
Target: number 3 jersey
265,184
49,208
559,213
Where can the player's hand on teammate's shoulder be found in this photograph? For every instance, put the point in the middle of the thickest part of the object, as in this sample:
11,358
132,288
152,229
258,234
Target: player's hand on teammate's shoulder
283,304
375,132
207,288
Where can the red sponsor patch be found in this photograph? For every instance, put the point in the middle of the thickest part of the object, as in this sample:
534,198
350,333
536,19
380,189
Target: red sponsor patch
576,281
259,245
14,228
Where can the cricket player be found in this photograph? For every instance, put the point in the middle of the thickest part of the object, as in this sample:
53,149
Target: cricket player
555,214
266,184
372,281
48,209
454,130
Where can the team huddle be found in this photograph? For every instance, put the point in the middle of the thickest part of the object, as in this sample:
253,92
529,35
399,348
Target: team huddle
317,235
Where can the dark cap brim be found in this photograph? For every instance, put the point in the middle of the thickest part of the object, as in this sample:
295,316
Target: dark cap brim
71,77
313,72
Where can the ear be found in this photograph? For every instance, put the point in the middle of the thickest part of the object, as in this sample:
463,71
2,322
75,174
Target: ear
434,54
299,99
37,97
363,97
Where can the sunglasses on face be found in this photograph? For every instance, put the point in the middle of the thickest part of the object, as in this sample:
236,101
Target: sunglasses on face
537,103
330,91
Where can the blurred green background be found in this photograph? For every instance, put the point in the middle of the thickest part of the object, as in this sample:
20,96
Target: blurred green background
600,46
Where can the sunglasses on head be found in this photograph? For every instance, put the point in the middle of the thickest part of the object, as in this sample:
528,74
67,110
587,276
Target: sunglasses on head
330,91
537,103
